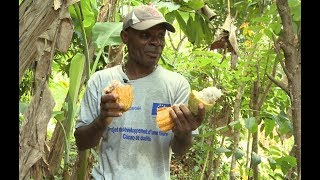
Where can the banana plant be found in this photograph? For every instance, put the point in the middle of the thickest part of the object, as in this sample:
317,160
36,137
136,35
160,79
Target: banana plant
75,74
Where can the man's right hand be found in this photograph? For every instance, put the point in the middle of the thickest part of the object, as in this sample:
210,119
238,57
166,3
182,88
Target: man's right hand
109,108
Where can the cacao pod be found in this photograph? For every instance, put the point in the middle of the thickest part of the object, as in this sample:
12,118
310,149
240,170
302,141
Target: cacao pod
207,96
124,91
164,120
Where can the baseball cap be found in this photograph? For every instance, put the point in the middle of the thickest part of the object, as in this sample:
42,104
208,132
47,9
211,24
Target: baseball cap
144,17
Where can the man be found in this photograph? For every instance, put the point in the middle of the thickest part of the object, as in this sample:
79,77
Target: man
132,145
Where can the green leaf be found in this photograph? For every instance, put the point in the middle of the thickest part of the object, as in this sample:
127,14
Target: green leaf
198,31
273,9
238,3
276,27
295,7
195,4
75,75
263,19
191,30
251,124
170,16
222,150
296,13
58,115
275,151
257,38
295,27
222,129
291,160
228,154
181,22
272,163
202,62
89,12
284,123
239,153
196,169
255,29
269,126
235,124
106,33
207,134
170,6
256,159
23,107
207,32
293,3
88,17
268,33
164,63
286,163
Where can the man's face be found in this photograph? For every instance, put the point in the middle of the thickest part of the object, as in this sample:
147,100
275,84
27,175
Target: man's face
145,47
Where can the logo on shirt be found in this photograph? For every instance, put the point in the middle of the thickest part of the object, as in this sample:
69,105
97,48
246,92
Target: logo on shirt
155,106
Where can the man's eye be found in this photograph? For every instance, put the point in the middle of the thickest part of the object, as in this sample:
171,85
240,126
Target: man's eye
145,35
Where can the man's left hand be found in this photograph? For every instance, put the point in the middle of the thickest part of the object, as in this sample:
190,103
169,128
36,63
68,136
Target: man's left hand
185,121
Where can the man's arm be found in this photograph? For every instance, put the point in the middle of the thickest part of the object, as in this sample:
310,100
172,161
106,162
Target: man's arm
181,143
88,136
185,123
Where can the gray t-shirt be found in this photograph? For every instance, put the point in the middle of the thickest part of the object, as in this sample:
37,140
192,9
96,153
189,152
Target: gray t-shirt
133,147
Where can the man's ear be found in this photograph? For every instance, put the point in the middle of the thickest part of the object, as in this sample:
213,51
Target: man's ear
124,37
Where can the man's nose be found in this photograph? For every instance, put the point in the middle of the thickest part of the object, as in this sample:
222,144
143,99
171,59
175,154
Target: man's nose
156,41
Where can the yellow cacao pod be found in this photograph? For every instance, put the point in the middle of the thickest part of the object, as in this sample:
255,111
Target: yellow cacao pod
207,96
124,91
164,120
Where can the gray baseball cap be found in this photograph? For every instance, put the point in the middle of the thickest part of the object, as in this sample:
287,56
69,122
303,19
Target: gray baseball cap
144,17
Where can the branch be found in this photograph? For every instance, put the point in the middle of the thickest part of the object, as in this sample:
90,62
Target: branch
280,84
265,93
228,7
180,43
276,49
178,46
171,42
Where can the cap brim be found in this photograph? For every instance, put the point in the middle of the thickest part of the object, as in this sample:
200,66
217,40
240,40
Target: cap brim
150,23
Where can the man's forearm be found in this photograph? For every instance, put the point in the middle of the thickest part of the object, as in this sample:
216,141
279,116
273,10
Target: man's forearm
181,143
89,136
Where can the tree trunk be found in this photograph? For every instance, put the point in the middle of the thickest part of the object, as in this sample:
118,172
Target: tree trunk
254,106
39,21
290,45
33,131
44,27
236,135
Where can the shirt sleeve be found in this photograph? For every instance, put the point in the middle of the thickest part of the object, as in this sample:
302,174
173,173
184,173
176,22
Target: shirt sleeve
183,92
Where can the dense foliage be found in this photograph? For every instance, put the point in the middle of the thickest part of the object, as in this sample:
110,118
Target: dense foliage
225,134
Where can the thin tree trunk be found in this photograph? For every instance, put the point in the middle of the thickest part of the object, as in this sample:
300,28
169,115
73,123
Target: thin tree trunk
254,106
236,136
289,43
